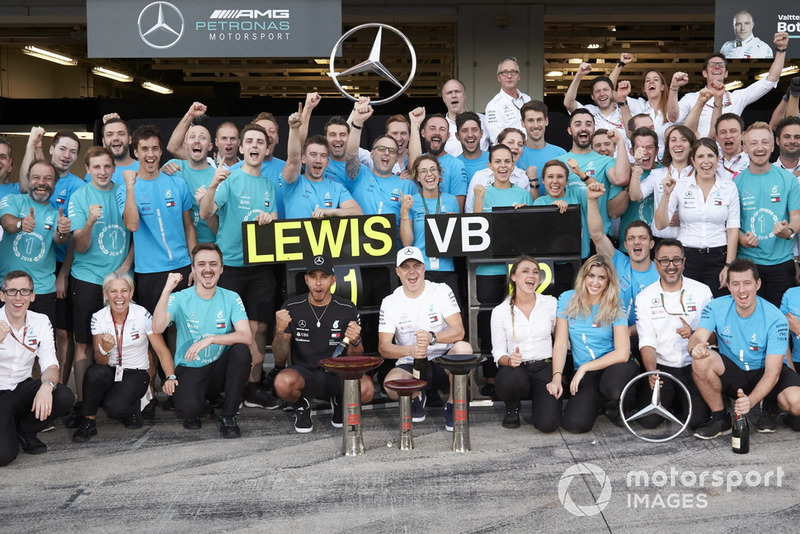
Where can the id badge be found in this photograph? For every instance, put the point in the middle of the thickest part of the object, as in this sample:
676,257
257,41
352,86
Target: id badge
118,374
434,264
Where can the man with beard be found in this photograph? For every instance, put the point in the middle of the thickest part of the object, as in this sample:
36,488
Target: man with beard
502,111
435,132
769,199
610,108
591,165
308,328
715,69
470,134
32,228
117,138
733,160
337,132
310,194
6,166
752,335
227,137
211,353
239,196
537,150
787,136
454,96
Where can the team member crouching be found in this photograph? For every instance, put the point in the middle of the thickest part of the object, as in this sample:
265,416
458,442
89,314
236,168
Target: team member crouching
591,319
122,332
420,319
27,406
308,328
753,339
667,311
212,353
522,345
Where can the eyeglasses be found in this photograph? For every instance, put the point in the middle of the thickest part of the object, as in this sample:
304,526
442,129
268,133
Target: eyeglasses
424,172
382,149
508,73
664,262
14,292
719,64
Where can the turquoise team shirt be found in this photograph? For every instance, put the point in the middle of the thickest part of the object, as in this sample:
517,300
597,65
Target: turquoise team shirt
790,303
496,198
596,166
764,200
303,196
110,238
454,176
272,169
471,166
377,194
746,341
631,282
589,340
572,196
160,241
117,177
197,318
642,210
9,189
537,157
62,192
194,180
33,252
241,197
448,204
336,171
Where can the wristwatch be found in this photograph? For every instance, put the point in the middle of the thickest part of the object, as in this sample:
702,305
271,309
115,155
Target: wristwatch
171,377
433,338
19,224
356,343
52,384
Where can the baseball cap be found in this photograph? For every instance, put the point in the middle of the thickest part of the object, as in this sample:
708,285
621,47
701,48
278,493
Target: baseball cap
409,253
320,263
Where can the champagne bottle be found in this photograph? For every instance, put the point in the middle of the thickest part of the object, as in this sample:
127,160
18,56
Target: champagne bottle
341,348
420,369
740,433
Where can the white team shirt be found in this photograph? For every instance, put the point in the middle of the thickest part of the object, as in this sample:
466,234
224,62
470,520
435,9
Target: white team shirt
658,317
734,102
728,169
485,177
661,123
533,336
138,325
750,48
16,361
403,316
502,112
704,223
653,185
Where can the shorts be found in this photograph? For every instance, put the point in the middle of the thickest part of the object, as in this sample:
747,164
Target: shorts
149,286
319,383
45,304
735,378
87,298
255,285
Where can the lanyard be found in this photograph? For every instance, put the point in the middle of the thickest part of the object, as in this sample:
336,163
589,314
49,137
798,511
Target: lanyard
733,163
425,204
119,330
24,335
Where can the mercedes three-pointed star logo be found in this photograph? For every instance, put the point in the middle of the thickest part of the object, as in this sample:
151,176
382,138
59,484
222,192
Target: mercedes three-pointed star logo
655,407
319,260
160,25
373,62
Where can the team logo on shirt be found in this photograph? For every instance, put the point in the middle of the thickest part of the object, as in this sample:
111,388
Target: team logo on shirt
718,202
327,202
753,343
168,198
335,324
48,226
32,339
301,323
691,308
774,195
395,196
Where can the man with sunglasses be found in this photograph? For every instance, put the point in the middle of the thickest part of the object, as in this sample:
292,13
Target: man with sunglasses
667,312
27,406
502,111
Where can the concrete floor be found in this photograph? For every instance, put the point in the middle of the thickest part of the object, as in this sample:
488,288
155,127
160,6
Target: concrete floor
162,478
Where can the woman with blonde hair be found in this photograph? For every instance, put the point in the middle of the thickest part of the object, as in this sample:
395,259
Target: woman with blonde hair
522,346
591,320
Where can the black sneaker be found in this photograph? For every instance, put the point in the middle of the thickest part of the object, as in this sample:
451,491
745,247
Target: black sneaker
74,419
448,416
488,391
511,419
195,423
87,429
713,427
229,428
257,396
418,407
768,420
302,416
32,445
149,411
269,378
336,413
169,404
134,421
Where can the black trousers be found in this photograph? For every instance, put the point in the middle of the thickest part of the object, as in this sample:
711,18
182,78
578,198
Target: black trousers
596,388
672,399
704,266
120,399
514,384
228,374
16,416
775,280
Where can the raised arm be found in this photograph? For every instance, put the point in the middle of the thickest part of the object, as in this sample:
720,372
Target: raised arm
414,142
130,214
679,79
208,206
781,41
661,216
619,174
624,59
693,118
362,111
572,92
175,143
594,221
33,151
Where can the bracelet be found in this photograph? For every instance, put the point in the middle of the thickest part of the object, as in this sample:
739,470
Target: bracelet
100,348
534,181
620,64
558,373
671,89
353,124
637,164
781,49
717,107
405,218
